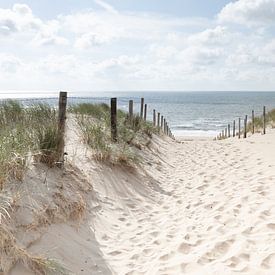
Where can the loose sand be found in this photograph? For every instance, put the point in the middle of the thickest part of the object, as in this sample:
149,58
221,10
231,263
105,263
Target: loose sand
196,206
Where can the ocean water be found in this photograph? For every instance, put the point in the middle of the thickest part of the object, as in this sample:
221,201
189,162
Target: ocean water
188,113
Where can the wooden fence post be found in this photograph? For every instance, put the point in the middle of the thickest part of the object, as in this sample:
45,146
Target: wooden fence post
245,127
131,109
225,132
154,117
253,123
61,128
158,120
114,119
264,121
161,123
164,121
239,132
228,130
234,128
141,107
145,112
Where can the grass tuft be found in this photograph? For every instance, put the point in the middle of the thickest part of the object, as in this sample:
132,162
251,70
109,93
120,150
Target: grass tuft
94,121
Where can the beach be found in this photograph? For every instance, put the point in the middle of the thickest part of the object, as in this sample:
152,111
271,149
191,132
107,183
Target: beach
195,206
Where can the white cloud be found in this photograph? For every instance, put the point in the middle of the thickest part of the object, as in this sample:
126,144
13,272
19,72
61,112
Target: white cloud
22,9
249,12
9,64
20,21
110,49
215,35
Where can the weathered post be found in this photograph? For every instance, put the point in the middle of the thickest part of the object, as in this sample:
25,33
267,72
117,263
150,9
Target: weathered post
164,122
158,120
154,117
61,128
234,128
131,109
245,127
161,123
141,107
253,122
228,130
114,119
225,132
145,112
264,121
239,132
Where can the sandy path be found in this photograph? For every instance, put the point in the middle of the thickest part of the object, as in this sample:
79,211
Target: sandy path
214,213
198,207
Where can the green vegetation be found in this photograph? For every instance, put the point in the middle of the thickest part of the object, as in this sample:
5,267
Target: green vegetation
258,122
94,121
24,131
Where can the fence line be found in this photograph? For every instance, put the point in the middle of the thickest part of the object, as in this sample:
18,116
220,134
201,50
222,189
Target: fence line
226,133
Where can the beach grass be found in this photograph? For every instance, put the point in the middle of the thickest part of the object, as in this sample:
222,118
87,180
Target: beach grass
259,122
94,121
25,131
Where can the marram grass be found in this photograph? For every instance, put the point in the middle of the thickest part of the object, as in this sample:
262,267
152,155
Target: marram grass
94,122
24,131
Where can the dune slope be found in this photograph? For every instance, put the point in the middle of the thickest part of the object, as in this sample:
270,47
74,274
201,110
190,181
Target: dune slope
195,206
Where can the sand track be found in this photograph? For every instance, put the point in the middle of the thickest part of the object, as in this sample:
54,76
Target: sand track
202,207
193,207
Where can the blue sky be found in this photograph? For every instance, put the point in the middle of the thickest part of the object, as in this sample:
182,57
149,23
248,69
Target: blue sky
188,8
137,45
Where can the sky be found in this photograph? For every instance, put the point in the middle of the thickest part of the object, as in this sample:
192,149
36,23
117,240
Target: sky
139,45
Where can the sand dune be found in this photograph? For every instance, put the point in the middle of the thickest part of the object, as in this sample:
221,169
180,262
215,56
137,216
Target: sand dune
196,206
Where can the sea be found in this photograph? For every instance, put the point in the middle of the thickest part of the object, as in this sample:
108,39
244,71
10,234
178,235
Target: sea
187,113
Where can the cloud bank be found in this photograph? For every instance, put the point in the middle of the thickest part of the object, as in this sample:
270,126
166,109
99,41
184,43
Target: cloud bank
106,49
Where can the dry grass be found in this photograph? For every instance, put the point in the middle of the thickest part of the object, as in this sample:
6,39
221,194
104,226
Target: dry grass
94,122
24,130
259,122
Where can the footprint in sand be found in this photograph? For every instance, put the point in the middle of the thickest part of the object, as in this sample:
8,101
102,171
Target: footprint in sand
269,261
184,248
220,249
271,226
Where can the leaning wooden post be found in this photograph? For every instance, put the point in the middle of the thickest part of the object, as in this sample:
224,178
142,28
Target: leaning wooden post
253,122
239,132
154,117
114,119
164,121
225,132
161,123
145,112
141,107
264,121
245,127
234,128
61,128
228,130
131,109
158,121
